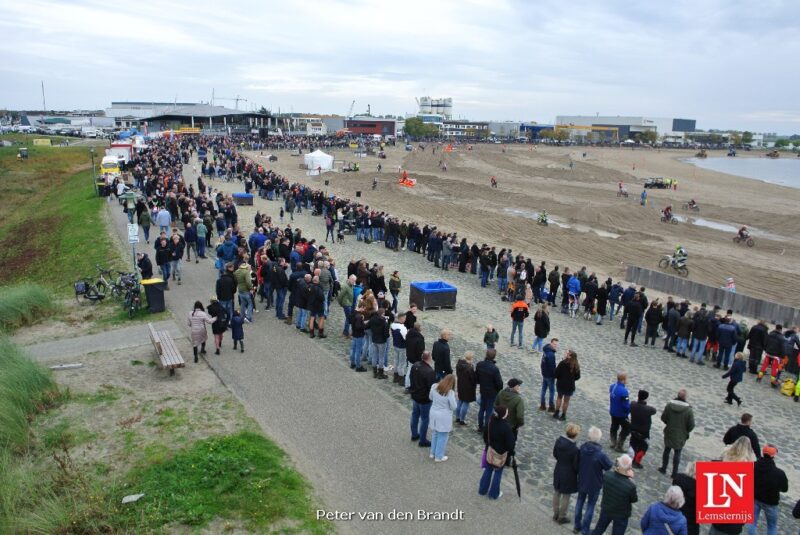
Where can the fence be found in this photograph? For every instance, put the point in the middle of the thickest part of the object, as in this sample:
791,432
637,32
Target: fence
739,303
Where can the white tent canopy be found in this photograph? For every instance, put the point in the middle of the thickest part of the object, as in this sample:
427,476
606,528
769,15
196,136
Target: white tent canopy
318,160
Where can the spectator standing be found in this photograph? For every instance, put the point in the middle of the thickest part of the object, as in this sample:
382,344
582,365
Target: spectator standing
443,403
565,474
498,436
641,421
467,384
593,462
511,399
743,429
422,378
769,482
548,370
568,372
441,354
679,419
665,517
620,409
490,382
688,484
619,493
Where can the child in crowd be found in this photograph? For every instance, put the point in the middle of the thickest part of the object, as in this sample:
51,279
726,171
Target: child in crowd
491,337
237,329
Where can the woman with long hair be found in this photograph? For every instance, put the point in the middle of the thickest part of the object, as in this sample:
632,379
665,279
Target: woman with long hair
567,372
220,324
541,327
443,399
198,318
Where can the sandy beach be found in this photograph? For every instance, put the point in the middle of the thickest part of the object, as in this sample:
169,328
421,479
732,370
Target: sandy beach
591,225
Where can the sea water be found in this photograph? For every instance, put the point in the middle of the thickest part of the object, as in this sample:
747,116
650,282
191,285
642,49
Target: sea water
784,170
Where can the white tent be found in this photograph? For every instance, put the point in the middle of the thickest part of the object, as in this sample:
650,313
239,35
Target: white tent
318,160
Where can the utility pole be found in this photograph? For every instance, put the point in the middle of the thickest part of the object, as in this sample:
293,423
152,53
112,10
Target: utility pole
44,103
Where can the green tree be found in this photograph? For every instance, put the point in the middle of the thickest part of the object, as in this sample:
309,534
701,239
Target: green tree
547,134
747,137
561,135
649,136
735,138
417,129
781,143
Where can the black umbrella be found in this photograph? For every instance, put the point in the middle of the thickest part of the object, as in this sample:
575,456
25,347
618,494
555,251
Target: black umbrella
516,476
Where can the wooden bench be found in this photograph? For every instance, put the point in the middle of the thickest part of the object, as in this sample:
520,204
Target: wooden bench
168,354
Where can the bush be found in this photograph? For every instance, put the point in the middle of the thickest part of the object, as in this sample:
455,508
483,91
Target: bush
25,388
23,304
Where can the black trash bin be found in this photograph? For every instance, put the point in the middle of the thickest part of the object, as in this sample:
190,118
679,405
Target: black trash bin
154,291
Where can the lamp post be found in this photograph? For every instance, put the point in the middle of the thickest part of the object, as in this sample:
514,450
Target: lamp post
94,173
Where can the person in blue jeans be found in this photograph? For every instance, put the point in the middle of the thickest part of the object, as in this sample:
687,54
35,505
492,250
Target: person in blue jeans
548,369
490,382
593,463
422,379
619,493
519,311
498,436
769,481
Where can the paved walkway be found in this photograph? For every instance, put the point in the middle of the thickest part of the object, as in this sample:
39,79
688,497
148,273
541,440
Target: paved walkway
122,338
348,437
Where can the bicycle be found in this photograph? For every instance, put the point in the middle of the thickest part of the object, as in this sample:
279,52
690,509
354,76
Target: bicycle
87,289
133,299
105,284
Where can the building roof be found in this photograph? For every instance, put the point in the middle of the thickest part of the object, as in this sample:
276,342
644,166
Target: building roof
203,110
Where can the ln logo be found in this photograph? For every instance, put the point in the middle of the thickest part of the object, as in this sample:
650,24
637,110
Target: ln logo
725,493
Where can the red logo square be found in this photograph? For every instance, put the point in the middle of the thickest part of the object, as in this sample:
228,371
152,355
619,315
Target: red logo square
725,493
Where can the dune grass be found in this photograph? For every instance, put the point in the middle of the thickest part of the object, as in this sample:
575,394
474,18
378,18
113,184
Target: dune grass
25,388
23,304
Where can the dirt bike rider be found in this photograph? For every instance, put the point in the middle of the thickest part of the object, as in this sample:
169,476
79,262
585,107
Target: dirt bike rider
691,204
543,217
680,256
743,233
667,213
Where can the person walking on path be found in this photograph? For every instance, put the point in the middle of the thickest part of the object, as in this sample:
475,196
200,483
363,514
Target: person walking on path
145,221
237,330
500,438
769,482
678,418
619,493
743,429
688,484
198,319
620,409
593,462
641,421
519,311
665,517
565,474
490,382
244,287
548,369
422,378
443,403
220,324
541,327
568,372
511,399
467,383
736,375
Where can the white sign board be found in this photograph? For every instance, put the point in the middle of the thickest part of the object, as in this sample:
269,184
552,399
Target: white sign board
133,233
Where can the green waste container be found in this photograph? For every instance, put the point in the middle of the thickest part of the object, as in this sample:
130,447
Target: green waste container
154,291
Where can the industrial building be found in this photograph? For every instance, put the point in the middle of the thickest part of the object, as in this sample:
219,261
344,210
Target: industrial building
369,126
471,129
436,106
619,128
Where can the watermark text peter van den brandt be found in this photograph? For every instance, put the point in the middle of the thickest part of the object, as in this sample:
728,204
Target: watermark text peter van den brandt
393,515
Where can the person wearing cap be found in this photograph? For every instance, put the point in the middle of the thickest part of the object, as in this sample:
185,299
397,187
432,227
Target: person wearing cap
768,481
510,398
641,415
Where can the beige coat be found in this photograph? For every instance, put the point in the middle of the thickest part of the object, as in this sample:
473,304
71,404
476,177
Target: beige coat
197,323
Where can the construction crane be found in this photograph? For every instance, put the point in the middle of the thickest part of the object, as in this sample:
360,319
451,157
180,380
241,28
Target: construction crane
236,99
350,113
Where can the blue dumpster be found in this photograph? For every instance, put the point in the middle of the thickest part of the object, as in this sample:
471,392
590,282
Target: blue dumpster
433,295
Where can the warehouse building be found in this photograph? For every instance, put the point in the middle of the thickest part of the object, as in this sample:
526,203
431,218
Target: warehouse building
619,128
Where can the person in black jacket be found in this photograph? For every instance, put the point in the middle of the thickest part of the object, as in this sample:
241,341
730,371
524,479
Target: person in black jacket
565,474
163,255
774,349
220,325
633,311
379,329
357,346
422,379
500,438
279,282
768,481
699,336
415,346
145,265
756,339
226,290
300,296
743,429
688,485
316,308
653,318
441,355
490,383
641,414
567,372
673,317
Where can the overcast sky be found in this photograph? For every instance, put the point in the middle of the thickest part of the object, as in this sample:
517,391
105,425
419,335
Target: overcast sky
727,64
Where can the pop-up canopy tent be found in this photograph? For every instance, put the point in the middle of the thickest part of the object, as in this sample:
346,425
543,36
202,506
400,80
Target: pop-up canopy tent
318,160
